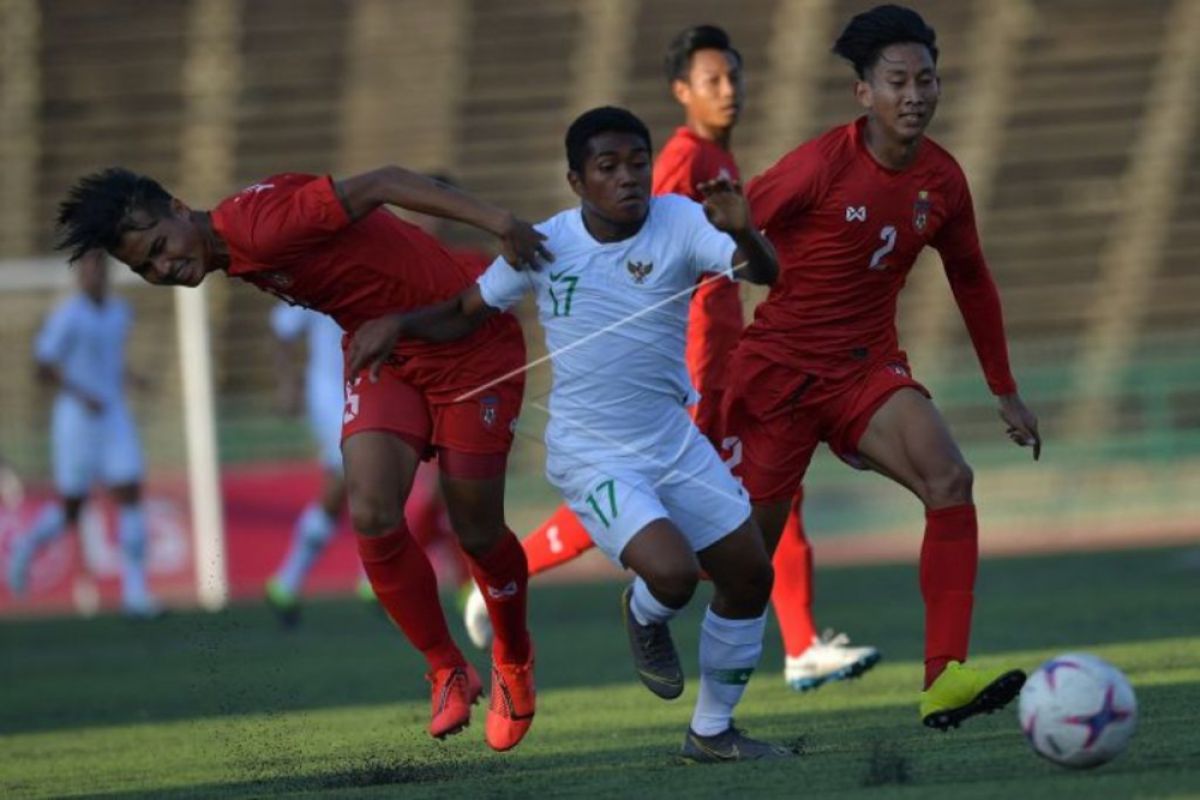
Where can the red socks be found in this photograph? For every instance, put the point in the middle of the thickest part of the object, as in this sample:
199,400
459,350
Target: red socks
792,593
557,541
406,587
949,561
503,576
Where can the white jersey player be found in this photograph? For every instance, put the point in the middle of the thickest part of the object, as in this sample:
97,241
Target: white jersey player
81,351
324,402
621,447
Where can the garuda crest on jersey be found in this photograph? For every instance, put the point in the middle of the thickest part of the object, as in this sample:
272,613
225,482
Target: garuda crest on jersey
639,271
921,210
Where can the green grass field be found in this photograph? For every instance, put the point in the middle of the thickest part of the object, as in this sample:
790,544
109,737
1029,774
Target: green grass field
229,706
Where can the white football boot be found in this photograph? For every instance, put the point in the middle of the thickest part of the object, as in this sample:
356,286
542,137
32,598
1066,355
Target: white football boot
829,658
475,617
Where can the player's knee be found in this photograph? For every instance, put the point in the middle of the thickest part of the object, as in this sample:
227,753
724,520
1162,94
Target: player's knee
753,589
673,584
478,540
373,516
952,485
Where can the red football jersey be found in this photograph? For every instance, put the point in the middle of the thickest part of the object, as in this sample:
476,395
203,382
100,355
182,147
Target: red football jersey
686,160
847,231
290,235
715,318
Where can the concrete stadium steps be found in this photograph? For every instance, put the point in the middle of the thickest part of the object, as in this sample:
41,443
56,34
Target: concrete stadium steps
515,99
111,93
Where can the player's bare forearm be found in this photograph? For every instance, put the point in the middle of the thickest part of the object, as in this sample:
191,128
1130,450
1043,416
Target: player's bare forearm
448,321
391,185
758,255
520,244
50,375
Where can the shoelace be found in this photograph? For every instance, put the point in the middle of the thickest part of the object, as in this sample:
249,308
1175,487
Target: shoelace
831,638
657,639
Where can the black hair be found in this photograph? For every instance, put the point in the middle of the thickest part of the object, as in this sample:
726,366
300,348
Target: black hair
678,60
871,31
99,209
605,119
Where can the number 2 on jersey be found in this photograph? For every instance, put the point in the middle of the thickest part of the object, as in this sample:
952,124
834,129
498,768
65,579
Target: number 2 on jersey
562,302
888,234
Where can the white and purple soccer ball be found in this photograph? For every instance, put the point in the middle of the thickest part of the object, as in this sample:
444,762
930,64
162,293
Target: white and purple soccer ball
1078,710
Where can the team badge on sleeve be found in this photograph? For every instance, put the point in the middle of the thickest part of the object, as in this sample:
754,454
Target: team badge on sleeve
639,271
921,210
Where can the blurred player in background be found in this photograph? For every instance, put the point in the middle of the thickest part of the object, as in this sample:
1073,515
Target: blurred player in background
332,246
322,387
704,72
849,212
620,445
80,351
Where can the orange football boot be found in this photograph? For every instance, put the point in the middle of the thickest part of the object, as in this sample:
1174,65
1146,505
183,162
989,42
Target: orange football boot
455,690
510,712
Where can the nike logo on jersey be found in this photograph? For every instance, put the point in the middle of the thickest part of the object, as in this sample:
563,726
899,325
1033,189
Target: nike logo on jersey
856,214
508,590
556,276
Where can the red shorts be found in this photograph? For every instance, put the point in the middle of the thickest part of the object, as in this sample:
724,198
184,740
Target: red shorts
714,327
432,420
777,416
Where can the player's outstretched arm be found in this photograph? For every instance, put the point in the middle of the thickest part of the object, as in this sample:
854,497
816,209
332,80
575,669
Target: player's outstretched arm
454,319
520,244
728,211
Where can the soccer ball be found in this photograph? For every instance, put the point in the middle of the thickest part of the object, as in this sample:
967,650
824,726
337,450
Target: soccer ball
1078,710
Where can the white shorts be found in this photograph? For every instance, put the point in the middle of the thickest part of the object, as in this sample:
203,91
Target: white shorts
86,447
326,405
687,484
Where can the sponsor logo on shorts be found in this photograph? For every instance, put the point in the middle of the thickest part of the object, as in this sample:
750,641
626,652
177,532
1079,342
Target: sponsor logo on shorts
854,214
489,407
898,369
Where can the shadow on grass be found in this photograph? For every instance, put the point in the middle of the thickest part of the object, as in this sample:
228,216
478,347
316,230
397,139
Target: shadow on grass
64,674
880,749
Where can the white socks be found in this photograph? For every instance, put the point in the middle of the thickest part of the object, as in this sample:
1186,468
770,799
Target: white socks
646,608
729,652
49,525
312,532
131,534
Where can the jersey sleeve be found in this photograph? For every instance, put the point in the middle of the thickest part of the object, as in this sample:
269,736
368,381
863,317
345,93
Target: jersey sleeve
281,217
50,346
709,250
289,322
501,286
975,291
786,190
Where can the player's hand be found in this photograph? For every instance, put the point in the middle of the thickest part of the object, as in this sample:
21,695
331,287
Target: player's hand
1022,423
371,345
521,244
724,204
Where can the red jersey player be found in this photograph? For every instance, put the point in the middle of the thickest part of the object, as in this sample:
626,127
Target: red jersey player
705,74
849,212
331,245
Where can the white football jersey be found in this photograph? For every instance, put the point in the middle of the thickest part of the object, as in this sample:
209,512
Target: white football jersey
325,364
615,316
86,342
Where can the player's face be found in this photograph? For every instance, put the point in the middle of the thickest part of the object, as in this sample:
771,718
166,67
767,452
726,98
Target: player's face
713,92
166,252
901,91
92,272
615,182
